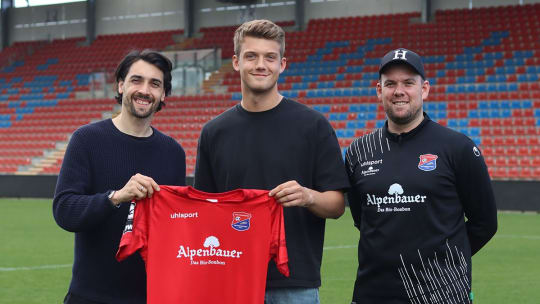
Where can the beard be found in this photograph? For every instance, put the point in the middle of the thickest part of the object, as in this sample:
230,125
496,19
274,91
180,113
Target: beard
133,110
403,119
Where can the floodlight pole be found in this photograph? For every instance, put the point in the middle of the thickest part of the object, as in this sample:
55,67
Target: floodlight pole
299,12
4,22
90,21
426,11
189,18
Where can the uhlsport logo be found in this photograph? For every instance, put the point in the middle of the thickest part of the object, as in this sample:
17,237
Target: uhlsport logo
183,216
241,221
211,250
371,170
428,162
395,197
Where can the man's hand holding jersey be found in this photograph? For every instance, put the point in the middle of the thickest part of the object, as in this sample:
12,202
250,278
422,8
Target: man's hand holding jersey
328,204
138,187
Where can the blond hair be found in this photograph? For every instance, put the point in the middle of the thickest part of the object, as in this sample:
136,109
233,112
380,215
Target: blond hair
264,29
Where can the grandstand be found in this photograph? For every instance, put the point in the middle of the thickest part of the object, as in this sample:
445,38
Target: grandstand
483,67
482,58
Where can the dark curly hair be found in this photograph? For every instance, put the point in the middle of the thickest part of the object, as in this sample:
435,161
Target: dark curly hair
150,56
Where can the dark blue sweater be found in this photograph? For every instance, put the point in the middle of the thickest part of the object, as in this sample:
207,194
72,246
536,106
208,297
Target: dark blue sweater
100,158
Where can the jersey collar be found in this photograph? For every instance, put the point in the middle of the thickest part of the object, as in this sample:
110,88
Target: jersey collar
404,136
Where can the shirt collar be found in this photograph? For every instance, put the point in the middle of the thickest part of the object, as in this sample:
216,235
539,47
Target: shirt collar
399,137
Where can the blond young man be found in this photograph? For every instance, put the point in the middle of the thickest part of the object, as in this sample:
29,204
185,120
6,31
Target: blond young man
271,142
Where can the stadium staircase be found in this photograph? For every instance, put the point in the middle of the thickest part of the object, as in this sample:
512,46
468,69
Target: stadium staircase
215,83
483,65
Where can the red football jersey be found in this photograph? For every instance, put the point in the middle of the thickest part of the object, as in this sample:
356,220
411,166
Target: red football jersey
206,247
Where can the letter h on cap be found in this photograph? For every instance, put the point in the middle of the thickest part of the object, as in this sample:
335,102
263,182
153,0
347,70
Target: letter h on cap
400,54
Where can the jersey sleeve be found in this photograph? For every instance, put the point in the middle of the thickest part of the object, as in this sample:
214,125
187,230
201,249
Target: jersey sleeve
135,232
353,197
476,195
278,245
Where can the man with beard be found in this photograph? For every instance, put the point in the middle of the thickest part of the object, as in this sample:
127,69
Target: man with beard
107,164
413,184
274,143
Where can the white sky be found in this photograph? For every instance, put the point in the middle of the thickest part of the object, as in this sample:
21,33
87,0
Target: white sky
23,3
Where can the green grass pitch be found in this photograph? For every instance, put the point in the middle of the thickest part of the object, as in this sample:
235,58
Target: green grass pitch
35,258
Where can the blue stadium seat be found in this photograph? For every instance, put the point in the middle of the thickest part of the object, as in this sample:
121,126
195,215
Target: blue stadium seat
526,104
532,69
474,131
483,105
515,104
495,113
347,92
494,105
484,114
430,106
502,87
477,140
452,123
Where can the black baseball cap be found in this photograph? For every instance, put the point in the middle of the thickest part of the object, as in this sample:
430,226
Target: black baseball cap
403,55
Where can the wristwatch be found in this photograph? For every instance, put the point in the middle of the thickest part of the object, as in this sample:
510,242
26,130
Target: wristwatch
110,195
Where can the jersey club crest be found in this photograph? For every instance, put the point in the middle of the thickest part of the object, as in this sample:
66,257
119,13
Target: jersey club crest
428,162
241,221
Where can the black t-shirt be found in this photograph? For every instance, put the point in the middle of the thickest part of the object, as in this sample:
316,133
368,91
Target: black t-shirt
409,195
260,150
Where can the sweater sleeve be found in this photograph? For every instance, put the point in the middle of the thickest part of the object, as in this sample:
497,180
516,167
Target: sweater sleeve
204,179
476,195
74,208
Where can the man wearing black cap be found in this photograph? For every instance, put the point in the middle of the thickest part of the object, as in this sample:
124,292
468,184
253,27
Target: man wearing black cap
413,183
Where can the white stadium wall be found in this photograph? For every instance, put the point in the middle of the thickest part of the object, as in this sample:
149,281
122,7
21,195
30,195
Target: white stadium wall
316,9
346,8
129,16
112,17
209,13
455,4
48,22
